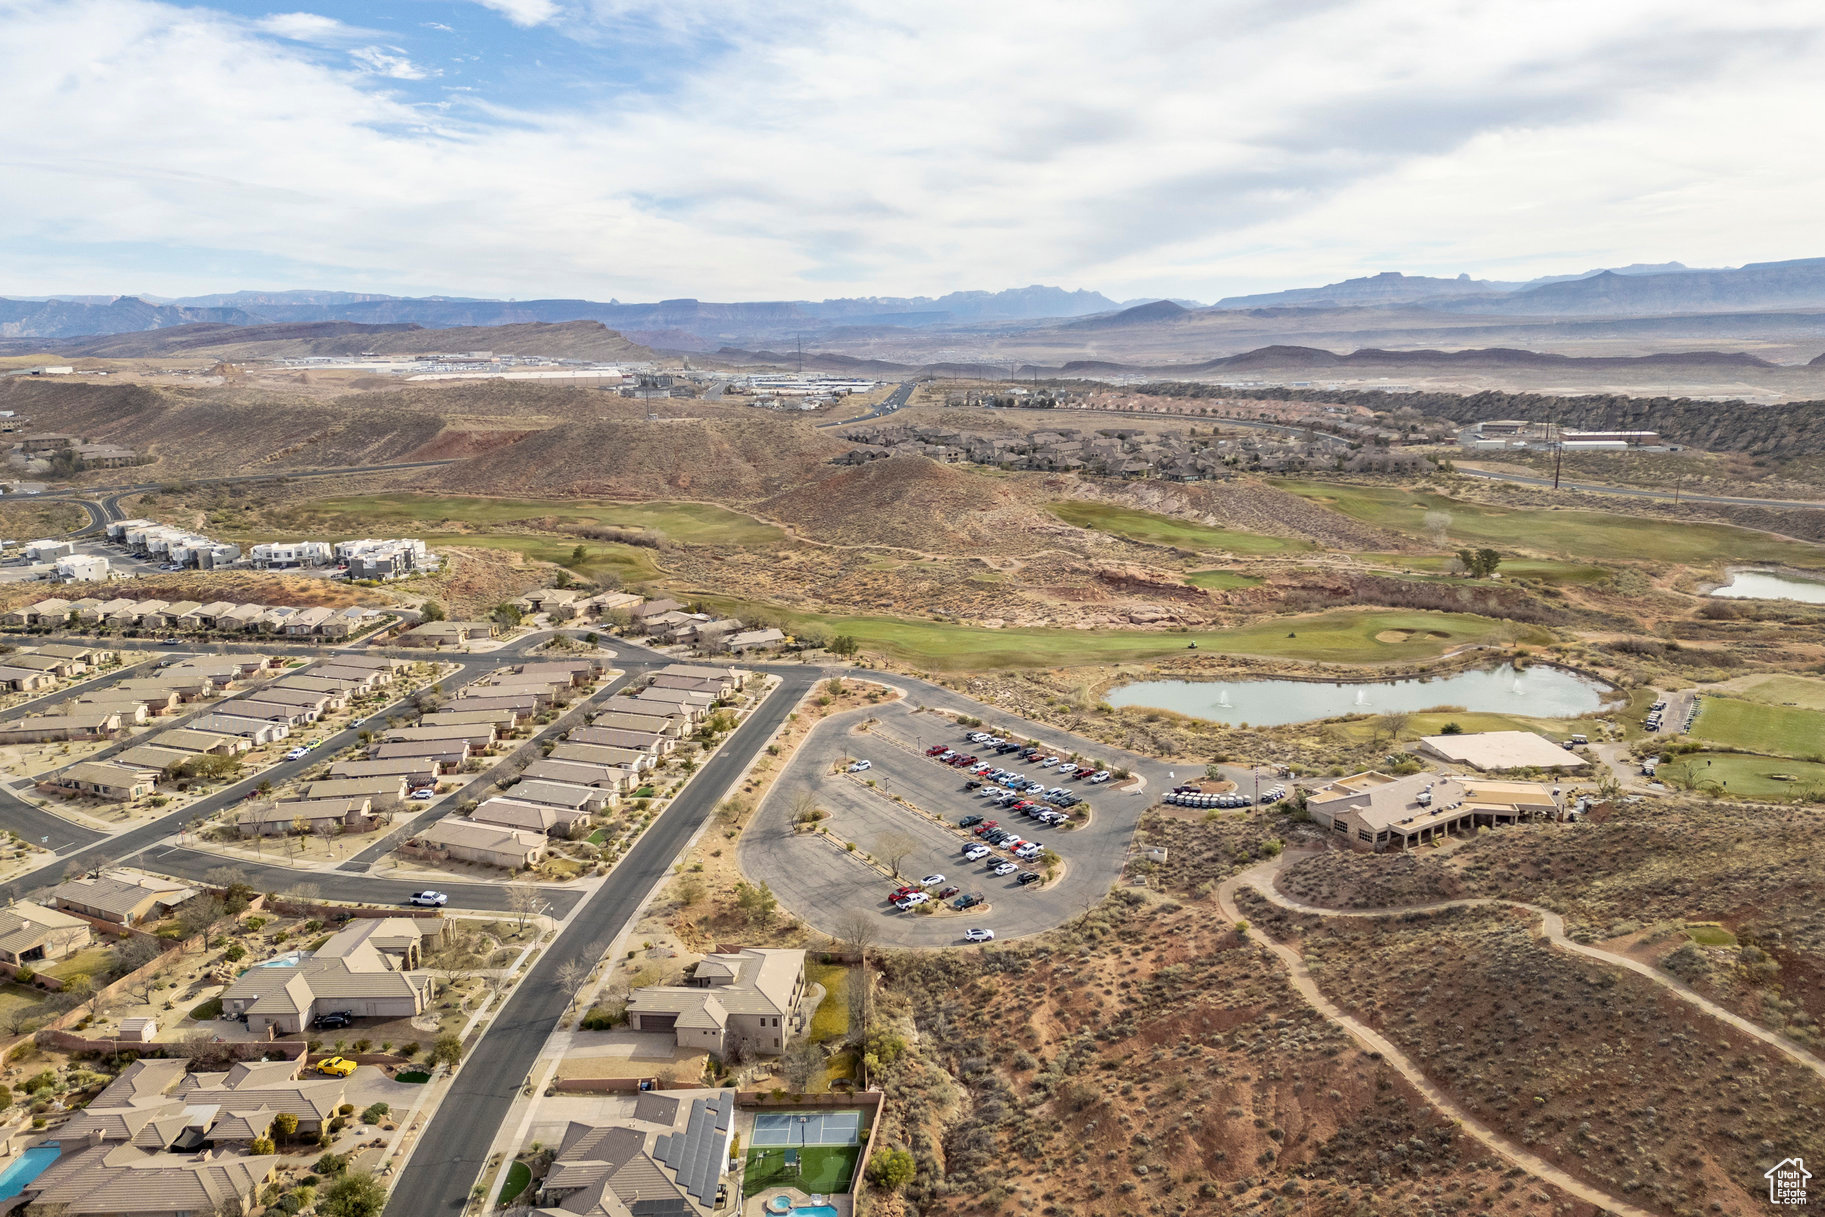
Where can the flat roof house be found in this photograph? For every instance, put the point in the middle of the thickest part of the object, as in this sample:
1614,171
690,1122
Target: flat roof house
750,998
1375,811
452,752
491,845
30,933
123,897
253,730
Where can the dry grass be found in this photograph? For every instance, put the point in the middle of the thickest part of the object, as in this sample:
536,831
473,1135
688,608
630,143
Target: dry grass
1596,1069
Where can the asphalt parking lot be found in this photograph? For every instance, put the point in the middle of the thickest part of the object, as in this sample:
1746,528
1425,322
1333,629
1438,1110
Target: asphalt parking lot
821,883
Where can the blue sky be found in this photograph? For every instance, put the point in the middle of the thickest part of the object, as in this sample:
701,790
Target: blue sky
808,148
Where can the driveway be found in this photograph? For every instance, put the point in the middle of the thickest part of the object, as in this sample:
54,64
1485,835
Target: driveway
822,883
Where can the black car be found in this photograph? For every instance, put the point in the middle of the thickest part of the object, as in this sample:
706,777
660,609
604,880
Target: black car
972,784
969,821
1027,876
333,1020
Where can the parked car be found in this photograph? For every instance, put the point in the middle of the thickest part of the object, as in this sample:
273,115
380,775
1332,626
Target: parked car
336,1066
969,821
948,892
1102,775
967,902
424,793
1005,868
931,881
900,893
333,1020
978,935
859,766
912,901
974,852
935,750
297,754
1049,762
430,899
1026,876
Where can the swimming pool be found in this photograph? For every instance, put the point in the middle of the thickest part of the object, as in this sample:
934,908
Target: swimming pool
27,1167
284,961
783,1205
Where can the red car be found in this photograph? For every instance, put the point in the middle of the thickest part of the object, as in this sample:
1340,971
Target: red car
935,750
948,892
905,891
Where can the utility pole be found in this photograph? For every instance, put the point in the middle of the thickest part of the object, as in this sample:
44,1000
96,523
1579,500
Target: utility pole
1559,455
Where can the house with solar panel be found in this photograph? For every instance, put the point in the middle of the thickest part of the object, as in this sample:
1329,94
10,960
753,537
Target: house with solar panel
667,1159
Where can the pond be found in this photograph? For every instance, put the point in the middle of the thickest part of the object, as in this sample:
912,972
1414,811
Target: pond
1767,585
1537,692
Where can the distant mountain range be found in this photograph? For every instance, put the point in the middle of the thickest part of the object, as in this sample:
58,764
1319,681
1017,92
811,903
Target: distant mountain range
706,322
1641,291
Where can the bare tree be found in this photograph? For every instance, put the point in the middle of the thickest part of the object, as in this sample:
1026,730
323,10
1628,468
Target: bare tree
135,954
802,1062
572,974
856,930
524,902
892,849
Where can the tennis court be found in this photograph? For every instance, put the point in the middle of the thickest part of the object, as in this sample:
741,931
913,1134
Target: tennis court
782,1128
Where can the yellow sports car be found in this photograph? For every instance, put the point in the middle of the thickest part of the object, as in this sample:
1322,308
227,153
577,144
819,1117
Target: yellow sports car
336,1066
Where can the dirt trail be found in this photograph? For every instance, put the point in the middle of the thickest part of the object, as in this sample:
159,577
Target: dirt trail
1260,877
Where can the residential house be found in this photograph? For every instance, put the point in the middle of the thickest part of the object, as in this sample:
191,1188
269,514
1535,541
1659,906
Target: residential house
122,897
321,816
582,773
615,737
501,720
457,840
448,633
369,969
601,754
452,753
416,770
79,724
255,731
378,787
750,998
753,640
530,817
31,933
189,739
672,726
479,736
576,795
668,1157
308,621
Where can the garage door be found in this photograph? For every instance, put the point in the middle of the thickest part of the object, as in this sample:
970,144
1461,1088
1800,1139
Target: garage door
658,1022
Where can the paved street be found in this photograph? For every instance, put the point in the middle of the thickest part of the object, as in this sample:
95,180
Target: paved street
453,1149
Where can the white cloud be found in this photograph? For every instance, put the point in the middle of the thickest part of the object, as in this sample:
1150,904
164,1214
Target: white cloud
310,27
523,12
1145,148
393,63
